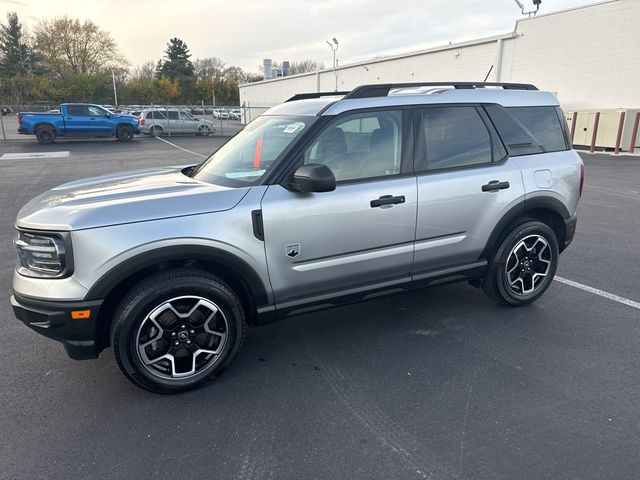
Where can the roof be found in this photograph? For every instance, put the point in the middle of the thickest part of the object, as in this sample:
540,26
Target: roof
333,105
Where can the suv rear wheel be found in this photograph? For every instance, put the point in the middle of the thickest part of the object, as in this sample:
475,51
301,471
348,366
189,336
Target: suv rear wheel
176,330
523,265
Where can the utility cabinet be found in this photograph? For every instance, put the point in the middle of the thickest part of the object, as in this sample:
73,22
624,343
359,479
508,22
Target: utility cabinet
607,128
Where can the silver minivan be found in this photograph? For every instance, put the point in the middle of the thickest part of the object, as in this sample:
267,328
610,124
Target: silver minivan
173,121
324,200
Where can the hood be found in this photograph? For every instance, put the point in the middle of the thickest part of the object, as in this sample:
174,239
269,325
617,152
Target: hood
135,196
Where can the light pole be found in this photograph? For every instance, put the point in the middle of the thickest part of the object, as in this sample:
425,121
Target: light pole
213,91
334,48
115,93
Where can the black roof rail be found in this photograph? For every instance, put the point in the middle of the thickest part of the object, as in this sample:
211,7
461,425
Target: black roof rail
383,89
306,96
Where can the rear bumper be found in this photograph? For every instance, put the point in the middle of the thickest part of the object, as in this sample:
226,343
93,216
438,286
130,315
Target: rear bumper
570,230
53,320
22,130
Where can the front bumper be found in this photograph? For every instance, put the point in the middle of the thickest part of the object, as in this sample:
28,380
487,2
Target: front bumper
53,320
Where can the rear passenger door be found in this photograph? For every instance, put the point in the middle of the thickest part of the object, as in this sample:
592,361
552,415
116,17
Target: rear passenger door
466,183
173,121
77,120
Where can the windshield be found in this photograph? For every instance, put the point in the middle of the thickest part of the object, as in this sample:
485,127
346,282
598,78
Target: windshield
248,156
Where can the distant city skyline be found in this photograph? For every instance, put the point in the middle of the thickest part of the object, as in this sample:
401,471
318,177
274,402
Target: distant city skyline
243,33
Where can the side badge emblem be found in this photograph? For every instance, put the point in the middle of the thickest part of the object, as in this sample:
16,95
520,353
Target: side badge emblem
292,250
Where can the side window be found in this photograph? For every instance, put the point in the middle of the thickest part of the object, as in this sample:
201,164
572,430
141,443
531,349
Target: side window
185,116
173,115
363,145
516,137
530,130
453,137
96,112
78,110
155,114
544,125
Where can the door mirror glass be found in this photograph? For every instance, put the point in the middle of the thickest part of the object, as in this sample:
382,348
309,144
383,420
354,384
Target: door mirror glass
313,177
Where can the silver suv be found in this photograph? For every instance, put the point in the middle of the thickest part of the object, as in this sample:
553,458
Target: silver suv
324,200
163,121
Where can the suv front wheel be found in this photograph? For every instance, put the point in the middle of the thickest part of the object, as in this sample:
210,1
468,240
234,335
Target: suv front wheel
177,329
524,264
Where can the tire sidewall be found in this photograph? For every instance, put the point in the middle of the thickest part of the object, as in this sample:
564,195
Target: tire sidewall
125,133
48,140
129,318
502,256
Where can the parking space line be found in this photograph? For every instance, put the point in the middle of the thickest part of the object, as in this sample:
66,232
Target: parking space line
30,155
180,148
595,291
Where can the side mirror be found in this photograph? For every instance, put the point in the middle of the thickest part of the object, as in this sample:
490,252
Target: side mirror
108,115
314,177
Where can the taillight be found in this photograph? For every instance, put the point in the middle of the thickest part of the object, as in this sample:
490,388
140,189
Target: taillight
20,120
141,121
581,177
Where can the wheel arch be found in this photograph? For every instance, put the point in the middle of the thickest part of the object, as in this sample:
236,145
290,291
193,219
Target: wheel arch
548,210
240,276
124,124
45,124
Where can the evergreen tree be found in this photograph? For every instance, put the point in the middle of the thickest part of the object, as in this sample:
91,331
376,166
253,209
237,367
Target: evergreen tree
16,55
176,61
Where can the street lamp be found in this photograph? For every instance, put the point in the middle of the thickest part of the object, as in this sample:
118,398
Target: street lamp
334,48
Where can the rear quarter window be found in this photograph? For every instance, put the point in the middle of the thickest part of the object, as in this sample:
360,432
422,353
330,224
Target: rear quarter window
529,130
544,124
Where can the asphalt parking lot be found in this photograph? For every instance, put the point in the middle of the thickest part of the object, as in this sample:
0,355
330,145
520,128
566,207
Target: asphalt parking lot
440,383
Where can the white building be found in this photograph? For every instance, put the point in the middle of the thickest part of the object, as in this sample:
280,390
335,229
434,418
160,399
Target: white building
589,56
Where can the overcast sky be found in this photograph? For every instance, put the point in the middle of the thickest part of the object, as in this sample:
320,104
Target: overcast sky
243,32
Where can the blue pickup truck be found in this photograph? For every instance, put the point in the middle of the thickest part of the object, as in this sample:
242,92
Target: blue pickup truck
78,120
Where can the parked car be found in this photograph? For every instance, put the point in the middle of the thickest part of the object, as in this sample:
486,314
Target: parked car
162,121
199,110
223,114
5,110
317,203
77,120
235,114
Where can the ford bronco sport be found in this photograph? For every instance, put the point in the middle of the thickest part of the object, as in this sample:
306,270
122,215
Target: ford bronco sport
326,199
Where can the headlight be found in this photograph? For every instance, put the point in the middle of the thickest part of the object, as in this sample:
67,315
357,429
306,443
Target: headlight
44,254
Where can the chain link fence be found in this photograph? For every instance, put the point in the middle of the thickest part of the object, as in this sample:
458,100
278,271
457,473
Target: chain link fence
154,120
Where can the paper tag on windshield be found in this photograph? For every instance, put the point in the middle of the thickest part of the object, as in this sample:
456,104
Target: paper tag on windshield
293,128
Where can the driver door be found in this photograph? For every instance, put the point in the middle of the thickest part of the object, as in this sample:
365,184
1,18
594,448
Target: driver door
358,238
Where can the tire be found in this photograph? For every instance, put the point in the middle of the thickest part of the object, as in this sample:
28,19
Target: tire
203,130
45,135
155,131
124,133
162,352
523,266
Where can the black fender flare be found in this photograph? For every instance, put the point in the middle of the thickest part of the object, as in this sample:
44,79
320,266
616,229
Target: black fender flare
130,266
535,203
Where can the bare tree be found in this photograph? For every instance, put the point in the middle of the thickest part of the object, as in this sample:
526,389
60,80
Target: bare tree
207,68
69,47
304,66
146,71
